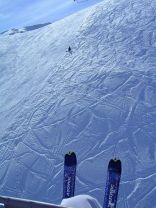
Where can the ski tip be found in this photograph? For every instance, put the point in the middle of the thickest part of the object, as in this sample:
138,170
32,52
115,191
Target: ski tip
70,153
115,165
70,159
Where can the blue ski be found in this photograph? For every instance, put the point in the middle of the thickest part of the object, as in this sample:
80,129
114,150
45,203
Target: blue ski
112,183
70,163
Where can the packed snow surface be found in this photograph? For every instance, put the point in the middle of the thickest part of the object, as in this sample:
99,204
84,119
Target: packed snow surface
98,101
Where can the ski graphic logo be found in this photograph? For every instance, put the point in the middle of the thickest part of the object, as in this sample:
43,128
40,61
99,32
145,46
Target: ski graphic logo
112,192
69,180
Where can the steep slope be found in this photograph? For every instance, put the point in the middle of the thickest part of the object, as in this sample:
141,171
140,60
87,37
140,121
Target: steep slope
98,101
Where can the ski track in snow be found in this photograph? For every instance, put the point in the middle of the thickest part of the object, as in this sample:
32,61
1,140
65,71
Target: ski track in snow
98,101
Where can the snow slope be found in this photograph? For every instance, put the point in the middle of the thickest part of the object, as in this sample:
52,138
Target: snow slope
99,101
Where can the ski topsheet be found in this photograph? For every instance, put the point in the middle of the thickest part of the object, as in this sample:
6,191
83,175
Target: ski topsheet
112,183
70,163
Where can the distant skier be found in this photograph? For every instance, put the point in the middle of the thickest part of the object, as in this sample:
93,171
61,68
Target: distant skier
69,50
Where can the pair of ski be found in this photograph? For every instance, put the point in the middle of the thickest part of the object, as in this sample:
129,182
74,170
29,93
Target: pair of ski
112,183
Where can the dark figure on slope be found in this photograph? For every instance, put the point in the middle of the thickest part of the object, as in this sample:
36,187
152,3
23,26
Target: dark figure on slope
69,50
